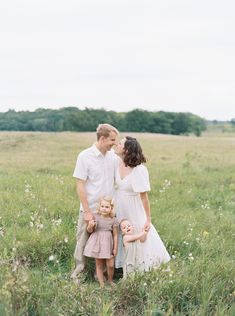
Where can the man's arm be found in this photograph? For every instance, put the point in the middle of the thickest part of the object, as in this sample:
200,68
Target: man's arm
81,191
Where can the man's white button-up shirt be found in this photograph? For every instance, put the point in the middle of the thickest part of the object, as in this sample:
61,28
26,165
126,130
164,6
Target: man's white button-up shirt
98,172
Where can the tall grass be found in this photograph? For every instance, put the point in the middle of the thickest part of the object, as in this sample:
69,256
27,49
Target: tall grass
192,202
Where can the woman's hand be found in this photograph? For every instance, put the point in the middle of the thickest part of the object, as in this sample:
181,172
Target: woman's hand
147,225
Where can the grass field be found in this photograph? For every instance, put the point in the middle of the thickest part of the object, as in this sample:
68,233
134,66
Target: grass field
192,202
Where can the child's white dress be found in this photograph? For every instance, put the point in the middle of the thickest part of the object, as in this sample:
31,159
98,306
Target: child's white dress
132,258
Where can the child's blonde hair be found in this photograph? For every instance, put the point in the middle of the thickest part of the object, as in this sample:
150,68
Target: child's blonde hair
110,201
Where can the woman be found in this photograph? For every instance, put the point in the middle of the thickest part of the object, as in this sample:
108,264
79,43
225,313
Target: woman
131,203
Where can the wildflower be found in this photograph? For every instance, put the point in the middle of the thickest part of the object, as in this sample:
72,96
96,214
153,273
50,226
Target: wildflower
1,232
40,226
51,258
205,233
205,206
66,239
185,243
31,224
56,222
145,284
190,256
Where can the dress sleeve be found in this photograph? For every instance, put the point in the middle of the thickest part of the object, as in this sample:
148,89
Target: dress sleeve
140,179
115,222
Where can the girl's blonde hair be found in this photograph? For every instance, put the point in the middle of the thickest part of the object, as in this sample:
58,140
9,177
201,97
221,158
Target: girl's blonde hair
110,201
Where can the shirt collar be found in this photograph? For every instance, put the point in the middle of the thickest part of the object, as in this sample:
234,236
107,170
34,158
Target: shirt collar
96,151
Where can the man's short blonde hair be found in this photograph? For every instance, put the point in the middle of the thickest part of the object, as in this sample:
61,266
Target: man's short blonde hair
105,130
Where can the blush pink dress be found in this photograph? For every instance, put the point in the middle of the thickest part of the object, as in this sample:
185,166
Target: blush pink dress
100,243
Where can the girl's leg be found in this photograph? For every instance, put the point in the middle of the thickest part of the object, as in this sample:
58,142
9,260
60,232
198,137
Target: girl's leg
110,269
99,270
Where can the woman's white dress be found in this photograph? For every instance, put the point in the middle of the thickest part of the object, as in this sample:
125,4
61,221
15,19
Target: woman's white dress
128,205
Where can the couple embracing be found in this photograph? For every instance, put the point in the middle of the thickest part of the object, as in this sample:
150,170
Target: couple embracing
129,239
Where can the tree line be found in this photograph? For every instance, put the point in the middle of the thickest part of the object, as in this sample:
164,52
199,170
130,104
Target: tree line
74,119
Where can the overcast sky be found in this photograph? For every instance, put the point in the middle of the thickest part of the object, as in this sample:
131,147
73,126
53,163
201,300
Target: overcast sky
171,55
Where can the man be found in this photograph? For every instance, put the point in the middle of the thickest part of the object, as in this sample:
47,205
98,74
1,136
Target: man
95,171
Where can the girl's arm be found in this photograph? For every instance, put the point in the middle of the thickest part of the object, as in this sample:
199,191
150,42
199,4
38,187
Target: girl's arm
145,201
130,238
115,240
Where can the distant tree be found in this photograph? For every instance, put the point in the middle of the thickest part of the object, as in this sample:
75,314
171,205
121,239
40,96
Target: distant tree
74,119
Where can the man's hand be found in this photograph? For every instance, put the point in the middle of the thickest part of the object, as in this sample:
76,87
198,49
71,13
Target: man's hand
88,216
91,226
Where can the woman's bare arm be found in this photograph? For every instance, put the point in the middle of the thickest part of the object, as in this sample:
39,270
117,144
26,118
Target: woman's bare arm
146,205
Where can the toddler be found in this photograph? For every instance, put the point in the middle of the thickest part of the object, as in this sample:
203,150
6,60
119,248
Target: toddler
132,248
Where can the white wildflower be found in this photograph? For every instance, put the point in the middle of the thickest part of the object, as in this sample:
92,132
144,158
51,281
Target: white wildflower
66,239
51,258
1,232
168,269
40,226
190,256
56,222
205,206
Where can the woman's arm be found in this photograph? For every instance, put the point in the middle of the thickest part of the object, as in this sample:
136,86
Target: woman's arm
115,240
145,201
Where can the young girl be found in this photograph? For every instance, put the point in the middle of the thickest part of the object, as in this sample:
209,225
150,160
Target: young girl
132,248
102,243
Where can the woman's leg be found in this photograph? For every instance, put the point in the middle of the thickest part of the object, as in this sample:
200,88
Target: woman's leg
99,270
110,269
